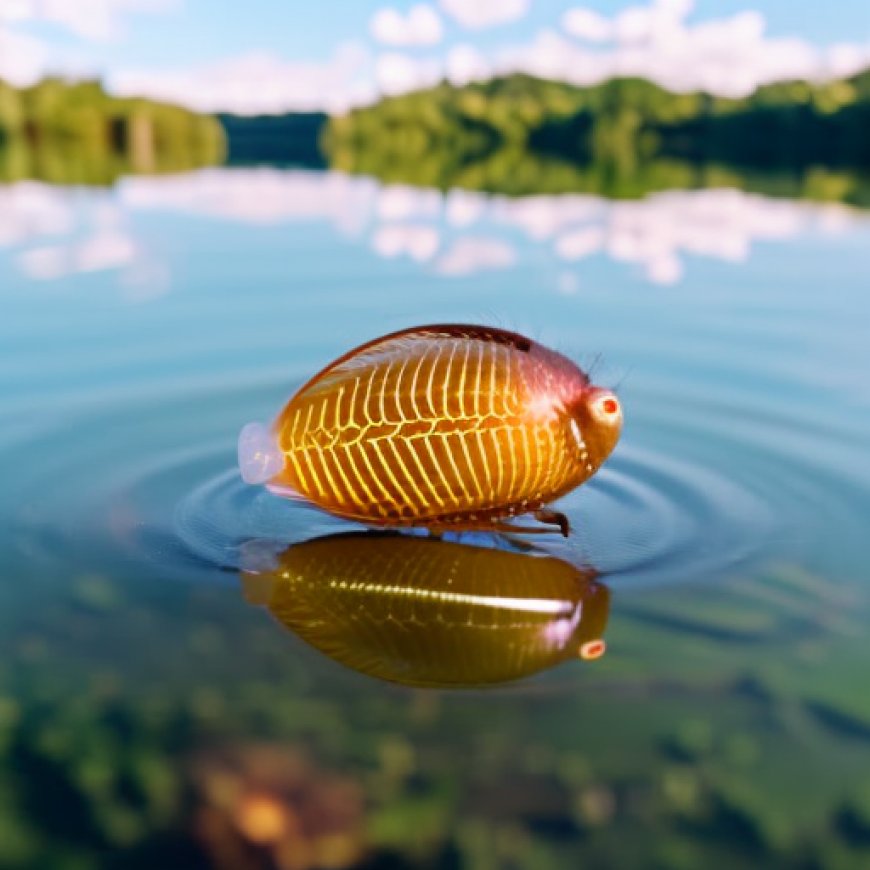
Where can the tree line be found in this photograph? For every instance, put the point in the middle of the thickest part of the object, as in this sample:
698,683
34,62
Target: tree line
74,132
627,131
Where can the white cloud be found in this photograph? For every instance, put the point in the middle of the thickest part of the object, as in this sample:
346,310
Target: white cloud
140,275
59,237
666,269
577,244
585,24
401,201
104,250
54,233
420,242
44,264
634,24
15,10
655,234
541,217
258,196
259,83
477,14
91,19
470,254
677,8
108,249
730,55
421,26
23,59
463,208
30,210
845,59
466,64
399,73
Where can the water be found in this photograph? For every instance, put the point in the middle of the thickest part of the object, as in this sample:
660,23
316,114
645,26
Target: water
145,324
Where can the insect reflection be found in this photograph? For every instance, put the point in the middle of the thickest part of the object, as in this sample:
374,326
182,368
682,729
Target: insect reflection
424,612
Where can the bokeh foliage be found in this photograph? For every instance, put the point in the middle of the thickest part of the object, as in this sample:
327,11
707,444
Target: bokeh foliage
714,734
66,132
520,134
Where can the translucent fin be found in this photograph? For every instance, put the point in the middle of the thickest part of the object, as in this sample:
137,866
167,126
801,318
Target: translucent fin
287,492
259,557
260,457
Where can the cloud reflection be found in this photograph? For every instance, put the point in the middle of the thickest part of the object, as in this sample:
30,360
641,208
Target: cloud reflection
470,254
259,196
393,240
106,249
55,232
32,210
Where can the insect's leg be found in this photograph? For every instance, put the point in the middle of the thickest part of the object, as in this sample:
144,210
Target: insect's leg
555,518
519,543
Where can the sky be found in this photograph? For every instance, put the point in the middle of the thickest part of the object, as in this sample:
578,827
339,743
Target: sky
274,56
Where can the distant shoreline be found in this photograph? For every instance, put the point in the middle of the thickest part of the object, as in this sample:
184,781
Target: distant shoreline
515,135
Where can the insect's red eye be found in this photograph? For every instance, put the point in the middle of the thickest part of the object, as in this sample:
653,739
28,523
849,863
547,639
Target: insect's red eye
611,406
592,649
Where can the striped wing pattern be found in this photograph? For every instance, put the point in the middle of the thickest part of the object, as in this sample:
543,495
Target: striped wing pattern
423,427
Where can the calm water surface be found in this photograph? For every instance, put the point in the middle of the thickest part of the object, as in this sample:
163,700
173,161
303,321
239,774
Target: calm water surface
729,718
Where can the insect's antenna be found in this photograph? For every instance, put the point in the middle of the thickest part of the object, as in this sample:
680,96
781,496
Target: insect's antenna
493,317
596,361
622,380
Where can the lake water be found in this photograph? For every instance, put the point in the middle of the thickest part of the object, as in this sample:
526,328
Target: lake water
145,694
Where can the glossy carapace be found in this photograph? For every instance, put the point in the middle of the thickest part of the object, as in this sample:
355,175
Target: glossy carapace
438,426
423,612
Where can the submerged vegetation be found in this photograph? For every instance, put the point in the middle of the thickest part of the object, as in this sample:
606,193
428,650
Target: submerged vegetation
520,134
76,133
688,750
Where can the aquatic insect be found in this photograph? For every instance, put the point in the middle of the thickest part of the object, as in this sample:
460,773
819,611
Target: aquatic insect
439,426
423,612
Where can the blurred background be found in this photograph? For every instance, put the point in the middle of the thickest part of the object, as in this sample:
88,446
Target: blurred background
202,204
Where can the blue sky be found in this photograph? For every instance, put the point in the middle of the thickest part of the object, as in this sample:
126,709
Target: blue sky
275,55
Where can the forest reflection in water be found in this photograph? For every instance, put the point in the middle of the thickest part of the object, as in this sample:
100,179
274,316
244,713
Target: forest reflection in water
518,172
68,162
74,132
508,171
424,612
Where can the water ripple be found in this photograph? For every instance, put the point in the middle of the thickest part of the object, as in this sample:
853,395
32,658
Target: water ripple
667,512
644,518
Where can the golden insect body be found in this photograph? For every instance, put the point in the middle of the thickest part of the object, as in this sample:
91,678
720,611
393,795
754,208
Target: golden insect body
439,426
422,612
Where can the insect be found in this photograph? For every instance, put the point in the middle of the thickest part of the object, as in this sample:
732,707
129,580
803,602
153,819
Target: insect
422,612
445,426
